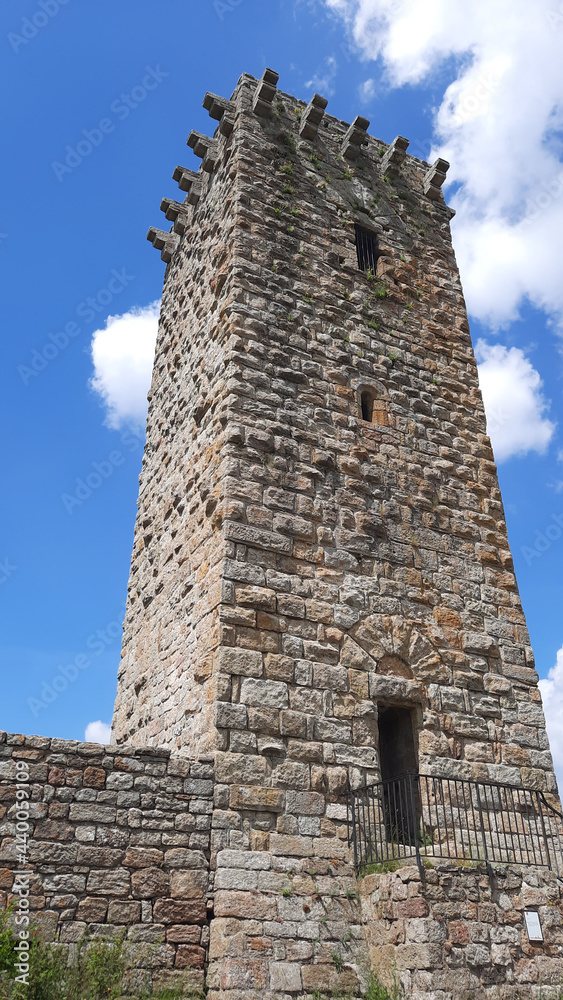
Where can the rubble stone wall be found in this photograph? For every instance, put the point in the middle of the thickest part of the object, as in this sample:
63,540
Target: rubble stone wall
118,843
457,934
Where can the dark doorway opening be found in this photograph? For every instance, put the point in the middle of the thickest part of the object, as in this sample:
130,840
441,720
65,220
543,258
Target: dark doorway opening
398,763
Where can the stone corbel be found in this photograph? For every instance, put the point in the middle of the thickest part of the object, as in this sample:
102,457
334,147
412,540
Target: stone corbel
394,157
355,138
222,111
190,181
265,92
176,213
204,147
312,117
165,242
434,178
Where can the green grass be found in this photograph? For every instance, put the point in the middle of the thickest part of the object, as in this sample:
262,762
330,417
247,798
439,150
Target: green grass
337,960
289,142
377,991
381,868
96,971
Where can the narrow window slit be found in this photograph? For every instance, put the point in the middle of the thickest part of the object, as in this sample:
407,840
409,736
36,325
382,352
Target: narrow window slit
367,249
367,406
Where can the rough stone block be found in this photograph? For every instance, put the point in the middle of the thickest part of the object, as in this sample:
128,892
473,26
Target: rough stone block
285,976
263,799
176,911
272,694
251,905
123,911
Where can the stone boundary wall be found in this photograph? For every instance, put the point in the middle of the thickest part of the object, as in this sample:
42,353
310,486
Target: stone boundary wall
456,934
119,843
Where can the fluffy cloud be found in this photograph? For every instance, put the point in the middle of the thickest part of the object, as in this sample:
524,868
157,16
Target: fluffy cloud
552,693
498,123
513,400
366,91
97,732
123,353
323,79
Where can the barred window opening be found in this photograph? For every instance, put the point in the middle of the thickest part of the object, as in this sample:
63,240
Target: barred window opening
367,249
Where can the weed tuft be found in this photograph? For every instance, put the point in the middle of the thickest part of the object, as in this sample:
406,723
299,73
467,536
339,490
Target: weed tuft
96,969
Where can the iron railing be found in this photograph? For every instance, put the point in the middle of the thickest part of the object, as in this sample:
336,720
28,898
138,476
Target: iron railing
418,815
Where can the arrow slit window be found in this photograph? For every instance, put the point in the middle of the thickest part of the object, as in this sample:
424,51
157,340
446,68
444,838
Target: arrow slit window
367,249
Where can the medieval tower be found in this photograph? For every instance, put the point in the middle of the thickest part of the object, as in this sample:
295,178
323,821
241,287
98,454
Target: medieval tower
330,759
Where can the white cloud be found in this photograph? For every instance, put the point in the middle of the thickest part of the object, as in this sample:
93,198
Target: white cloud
97,732
552,693
322,80
499,123
367,91
123,353
513,400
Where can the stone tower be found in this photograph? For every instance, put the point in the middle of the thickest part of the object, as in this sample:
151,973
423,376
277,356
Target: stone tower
322,591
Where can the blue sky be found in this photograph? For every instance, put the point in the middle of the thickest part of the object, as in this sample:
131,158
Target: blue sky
101,99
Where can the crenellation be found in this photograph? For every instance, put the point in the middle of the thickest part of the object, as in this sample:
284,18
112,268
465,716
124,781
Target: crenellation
176,213
435,177
265,92
393,159
312,117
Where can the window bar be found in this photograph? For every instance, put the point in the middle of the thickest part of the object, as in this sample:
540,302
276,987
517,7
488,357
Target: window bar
426,785
538,838
515,817
381,819
475,824
454,824
395,829
492,821
415,825
482,823
540,810
443,814
504,814
365,824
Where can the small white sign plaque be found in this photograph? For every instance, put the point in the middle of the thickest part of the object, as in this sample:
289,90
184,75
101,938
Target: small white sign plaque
533,925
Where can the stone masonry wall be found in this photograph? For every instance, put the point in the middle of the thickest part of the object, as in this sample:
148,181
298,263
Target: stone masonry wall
456,934
294,565
298,569
119,843
165,684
